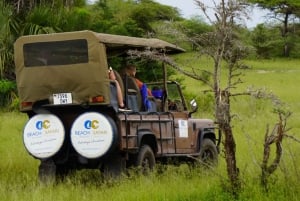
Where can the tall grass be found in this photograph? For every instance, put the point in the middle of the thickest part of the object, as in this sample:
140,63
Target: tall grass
18,170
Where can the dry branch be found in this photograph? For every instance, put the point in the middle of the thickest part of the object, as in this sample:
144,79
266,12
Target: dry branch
276,138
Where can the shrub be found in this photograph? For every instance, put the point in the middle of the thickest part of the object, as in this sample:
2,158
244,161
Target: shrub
8,95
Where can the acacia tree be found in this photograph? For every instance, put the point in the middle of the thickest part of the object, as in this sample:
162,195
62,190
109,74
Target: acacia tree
223,45
284,11
226,50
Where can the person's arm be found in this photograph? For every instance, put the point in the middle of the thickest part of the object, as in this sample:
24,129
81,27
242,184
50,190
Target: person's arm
112,76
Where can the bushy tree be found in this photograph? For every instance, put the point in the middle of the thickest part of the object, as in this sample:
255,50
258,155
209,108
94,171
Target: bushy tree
265,41
194,25
114,17
284,11
148,12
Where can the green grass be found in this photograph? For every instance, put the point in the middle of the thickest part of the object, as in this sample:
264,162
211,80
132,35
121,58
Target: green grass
18,170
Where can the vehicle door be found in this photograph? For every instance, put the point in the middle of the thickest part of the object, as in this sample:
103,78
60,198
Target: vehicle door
185,136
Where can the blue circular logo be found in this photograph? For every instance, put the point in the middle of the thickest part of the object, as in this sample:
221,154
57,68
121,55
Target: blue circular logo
39,125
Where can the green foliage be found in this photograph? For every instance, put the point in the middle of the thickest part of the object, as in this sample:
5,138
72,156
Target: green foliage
172,32
269,43
114,17
294,43
195,25
283,12
9,28
277,4
129,17
40,20
8,97
204,100
75,19
149,11
149,71
264,40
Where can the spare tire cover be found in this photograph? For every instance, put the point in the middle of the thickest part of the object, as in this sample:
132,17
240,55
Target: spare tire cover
92,134
43,135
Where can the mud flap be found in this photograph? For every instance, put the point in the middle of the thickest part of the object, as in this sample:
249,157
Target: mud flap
114,166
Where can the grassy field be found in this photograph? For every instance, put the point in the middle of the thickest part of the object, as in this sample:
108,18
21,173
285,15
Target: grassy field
18,171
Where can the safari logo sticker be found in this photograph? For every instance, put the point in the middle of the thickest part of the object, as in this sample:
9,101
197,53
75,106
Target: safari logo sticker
183,128
91,135
43,135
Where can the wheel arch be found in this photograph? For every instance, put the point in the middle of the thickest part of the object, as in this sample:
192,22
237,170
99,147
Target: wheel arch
146,136
206,133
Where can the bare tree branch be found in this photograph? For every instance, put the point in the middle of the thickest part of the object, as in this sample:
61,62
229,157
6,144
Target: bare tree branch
275,137
292,137
154,55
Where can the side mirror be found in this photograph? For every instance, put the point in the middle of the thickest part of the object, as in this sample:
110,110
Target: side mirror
194,107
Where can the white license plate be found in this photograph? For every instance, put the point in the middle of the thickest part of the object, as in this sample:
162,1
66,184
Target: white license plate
62,98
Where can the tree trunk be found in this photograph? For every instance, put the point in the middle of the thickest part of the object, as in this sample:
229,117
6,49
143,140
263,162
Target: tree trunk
232,170
285,35
224,121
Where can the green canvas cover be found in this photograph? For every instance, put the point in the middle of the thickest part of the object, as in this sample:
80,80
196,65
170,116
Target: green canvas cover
83,80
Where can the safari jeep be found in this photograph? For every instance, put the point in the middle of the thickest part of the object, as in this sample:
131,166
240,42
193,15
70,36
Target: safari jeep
74,120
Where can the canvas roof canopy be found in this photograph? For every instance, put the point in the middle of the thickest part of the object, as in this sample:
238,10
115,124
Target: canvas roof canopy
118,42
77,63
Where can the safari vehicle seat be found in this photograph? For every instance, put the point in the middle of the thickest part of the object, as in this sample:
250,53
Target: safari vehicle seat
119,79
133,97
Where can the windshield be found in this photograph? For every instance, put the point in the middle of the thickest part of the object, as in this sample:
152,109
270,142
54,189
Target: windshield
55,53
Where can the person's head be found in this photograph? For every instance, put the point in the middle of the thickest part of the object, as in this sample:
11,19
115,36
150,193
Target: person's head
130,70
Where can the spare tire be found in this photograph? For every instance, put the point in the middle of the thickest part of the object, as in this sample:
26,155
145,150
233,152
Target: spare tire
43,135
93,135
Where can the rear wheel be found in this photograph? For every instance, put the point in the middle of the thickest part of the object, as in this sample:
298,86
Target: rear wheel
145,159
113,167
50,172
208,153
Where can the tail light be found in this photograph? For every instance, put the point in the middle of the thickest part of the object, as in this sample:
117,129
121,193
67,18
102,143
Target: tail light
97,99
26,104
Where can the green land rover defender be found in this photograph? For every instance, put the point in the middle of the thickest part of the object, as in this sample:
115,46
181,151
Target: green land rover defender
74,120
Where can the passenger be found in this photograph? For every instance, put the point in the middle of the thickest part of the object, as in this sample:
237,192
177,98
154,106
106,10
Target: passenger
157,92
130,70
112,76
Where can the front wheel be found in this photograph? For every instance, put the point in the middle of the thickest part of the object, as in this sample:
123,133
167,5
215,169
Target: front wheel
208,153
145,159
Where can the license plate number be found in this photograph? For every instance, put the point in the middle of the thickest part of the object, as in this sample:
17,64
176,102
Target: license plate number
62,98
